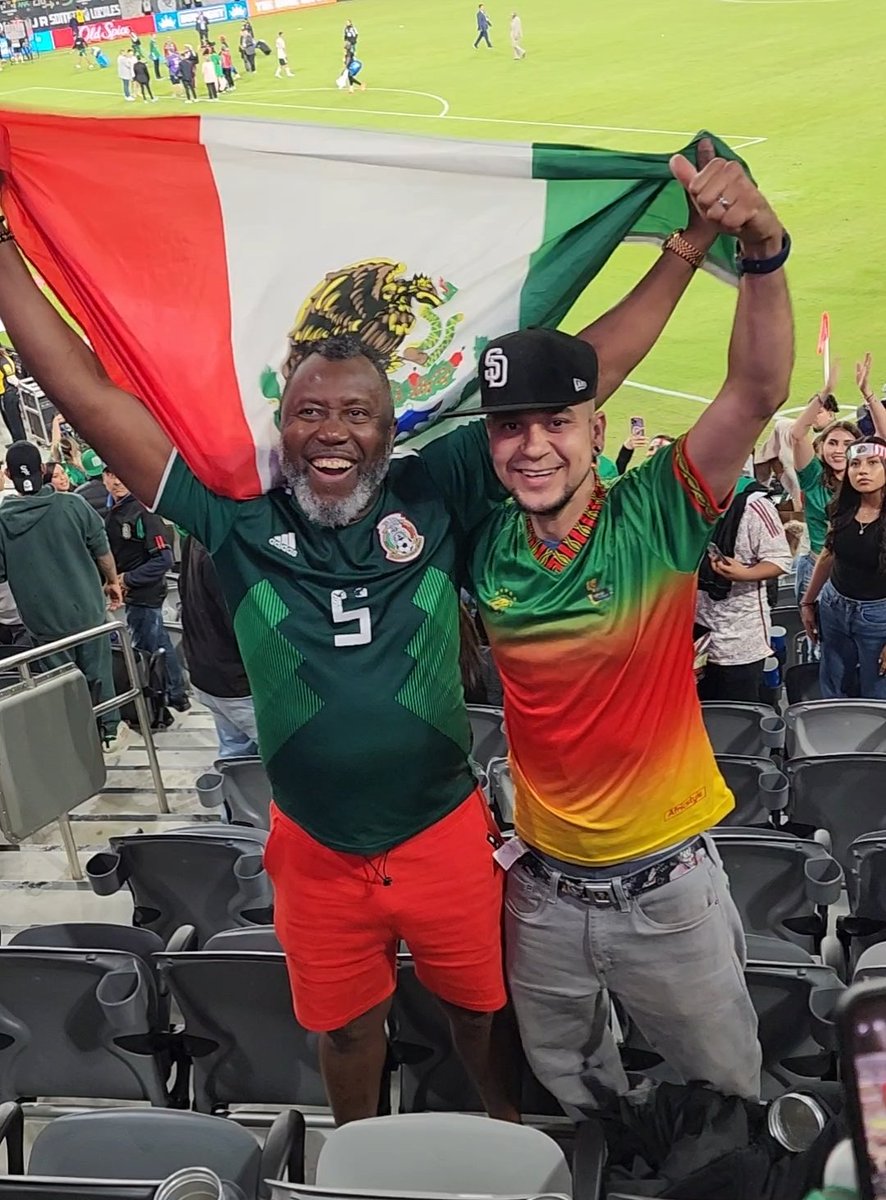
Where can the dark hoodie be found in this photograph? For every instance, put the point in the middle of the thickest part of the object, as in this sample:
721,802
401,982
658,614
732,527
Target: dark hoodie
49,544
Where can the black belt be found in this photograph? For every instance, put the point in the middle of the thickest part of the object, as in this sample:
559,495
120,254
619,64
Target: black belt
604,893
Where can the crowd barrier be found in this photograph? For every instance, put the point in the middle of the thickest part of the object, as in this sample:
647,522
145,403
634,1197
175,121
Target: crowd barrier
51,29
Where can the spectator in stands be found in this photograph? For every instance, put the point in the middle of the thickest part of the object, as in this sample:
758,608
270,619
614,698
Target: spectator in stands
93,490
658,443
55,475
186,77
142,77
47,536
849,581
632,443
126,72
212,654
748,548
64,449
588,597
12,628
143,556
321,580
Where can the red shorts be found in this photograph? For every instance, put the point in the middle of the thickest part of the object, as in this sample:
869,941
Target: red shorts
339,924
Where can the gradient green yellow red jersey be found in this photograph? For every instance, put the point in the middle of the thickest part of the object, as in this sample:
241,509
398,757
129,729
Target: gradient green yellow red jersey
593,641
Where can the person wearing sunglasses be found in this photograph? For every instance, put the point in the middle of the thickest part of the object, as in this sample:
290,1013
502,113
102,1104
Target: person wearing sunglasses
845,602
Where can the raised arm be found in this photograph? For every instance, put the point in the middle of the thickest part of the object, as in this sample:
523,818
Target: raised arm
625,334
800,430
874,402
761,350
113,422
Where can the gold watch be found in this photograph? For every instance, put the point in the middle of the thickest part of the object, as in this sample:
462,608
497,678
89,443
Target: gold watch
684,249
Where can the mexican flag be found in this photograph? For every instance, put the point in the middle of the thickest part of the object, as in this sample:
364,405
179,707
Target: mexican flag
200,255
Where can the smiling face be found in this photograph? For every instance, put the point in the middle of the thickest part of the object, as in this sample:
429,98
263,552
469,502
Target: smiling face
59,479
336,432
545,459
833,449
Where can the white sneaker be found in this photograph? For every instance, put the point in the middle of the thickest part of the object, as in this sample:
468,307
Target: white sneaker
114,746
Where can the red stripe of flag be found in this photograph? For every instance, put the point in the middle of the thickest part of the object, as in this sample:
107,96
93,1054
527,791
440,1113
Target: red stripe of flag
134,203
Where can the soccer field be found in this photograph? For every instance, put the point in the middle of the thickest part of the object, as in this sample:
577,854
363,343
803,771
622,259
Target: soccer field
791,83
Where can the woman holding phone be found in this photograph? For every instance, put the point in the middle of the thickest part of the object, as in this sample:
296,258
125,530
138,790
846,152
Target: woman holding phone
848,584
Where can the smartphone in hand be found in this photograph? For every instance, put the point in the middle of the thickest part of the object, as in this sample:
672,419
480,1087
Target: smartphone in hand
638,427
861,1032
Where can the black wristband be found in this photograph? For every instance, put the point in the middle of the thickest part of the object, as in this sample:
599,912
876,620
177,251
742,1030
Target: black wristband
765,266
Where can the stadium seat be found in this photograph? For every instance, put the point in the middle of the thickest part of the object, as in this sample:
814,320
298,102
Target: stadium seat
448,1153
836,727
239,1027
743,729
488,732
787,615
865,926
871,964
782,885
802,683
795,1005
118,1145
210,876
432,1077
82,1023
844,794
501,792
760,790
242,786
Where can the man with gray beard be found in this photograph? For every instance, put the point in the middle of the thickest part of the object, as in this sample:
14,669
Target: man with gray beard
343,589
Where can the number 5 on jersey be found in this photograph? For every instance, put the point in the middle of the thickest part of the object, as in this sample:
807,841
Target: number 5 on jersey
347,616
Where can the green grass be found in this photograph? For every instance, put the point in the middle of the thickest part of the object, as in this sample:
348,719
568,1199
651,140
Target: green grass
799,73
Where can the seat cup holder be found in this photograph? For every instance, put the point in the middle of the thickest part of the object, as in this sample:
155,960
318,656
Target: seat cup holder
255,886
772,732
123,997
774,790
210,789
105,873
822,1005
824,880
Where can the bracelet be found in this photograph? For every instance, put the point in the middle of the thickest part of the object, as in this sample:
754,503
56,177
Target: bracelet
867,399
808,603
764,266
684,249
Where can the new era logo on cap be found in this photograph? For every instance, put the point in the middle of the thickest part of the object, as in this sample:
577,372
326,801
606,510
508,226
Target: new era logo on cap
580,385
286,543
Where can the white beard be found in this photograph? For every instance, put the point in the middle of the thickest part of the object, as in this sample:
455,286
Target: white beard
335,514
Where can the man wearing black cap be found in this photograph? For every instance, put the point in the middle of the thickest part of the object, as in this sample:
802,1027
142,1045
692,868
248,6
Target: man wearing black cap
54,553
588,597
343,592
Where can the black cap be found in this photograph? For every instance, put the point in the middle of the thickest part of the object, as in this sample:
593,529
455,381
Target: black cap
532,369
25,467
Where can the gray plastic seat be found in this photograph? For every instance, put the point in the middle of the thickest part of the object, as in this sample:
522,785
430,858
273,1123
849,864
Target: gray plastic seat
871,964
802,682
787,615
743,729
836,727
781,885
865,926
488,733
760,790
152,1144
242,786
432,1076
239,1026
92,935
211,877
443,1152
81,1023
844,794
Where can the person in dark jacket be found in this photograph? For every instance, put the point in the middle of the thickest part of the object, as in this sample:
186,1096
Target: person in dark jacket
186,76
142,77
93,490
143,556
48,536
214,661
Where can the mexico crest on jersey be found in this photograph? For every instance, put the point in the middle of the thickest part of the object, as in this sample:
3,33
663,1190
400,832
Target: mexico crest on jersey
399,538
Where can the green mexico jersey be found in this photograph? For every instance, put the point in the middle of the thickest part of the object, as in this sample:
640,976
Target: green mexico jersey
350,640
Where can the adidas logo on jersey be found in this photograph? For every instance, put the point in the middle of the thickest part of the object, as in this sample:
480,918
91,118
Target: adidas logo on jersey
286,543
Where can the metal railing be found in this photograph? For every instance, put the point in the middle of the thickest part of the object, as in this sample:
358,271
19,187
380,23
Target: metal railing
22,664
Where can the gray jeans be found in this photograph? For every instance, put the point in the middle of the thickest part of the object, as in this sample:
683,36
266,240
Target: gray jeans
674,959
